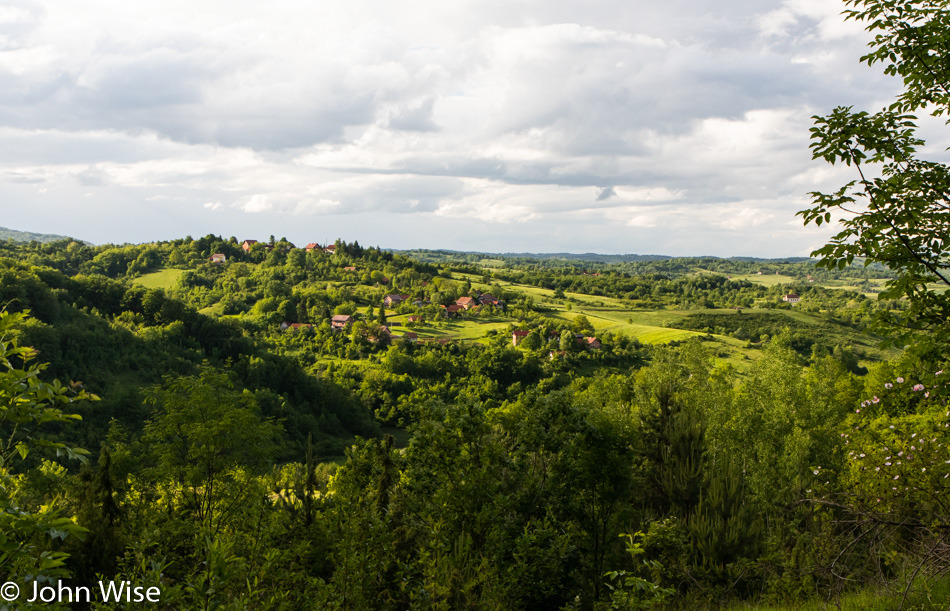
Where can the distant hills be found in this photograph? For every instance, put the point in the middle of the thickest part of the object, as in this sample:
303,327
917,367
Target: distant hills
29,236
472,256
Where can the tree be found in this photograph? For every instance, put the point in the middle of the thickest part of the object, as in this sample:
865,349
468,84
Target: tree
205,436
580,324
26,405
896,211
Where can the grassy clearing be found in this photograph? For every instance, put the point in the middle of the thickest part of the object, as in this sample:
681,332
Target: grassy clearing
613,315
215,309
934,595
766,279
162,279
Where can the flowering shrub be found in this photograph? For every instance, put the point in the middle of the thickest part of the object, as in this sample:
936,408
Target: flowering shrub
896,476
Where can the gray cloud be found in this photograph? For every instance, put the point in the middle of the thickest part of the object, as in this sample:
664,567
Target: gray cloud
605,193
494,114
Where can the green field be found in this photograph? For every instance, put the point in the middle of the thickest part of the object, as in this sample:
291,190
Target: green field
608,314
765,279
215,309
162,279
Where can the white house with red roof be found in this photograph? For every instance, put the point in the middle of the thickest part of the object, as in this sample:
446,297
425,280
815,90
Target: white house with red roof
341,321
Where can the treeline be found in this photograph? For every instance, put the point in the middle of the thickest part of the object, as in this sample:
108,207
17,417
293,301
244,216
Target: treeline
677,484
547,475
115,338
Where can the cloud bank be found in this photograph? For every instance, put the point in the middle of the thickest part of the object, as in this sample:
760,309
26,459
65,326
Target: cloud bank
591,126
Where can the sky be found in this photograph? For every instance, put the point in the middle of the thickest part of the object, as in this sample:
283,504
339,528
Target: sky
609,126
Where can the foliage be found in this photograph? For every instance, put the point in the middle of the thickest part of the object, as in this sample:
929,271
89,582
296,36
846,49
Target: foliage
28,534
895,213
631,591
203,434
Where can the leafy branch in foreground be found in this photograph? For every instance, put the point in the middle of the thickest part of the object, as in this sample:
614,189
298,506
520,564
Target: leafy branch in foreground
26,404
896,211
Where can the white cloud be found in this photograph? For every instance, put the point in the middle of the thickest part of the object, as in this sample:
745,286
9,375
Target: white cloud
600,126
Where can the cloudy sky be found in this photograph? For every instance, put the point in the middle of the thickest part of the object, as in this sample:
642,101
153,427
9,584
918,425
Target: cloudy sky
610,126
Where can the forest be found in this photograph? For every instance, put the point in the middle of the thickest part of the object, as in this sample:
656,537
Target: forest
214,434
245,423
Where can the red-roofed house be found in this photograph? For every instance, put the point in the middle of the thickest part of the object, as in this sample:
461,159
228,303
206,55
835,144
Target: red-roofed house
380,334
791,298
453,311
295,326
330,249
218,258
246,245
418,319
594,344
341,321
465,302
412,337
392,300
311,246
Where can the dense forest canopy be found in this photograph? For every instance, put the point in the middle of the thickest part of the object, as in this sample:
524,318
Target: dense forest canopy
488,456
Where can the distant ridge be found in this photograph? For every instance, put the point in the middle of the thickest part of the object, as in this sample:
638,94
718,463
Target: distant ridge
29,236
589,256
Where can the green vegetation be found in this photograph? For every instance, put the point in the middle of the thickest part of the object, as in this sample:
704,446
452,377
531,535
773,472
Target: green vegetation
436,430
235,418
162,279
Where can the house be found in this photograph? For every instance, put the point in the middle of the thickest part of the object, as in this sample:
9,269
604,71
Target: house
379,334
331,249
340,321
453,311
594,344
465,302
246,245
418,319
518,336
487,298
311,246
295,326
412,337
218,258
349,269
791,298
394,300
